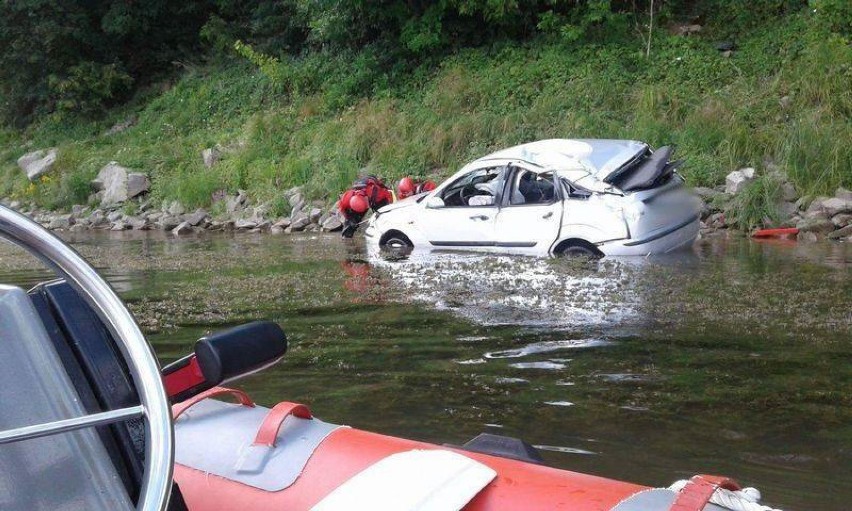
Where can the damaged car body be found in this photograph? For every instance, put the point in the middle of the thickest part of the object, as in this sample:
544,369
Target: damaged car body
551,197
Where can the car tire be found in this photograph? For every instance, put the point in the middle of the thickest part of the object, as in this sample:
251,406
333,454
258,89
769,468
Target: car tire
396,240
579,248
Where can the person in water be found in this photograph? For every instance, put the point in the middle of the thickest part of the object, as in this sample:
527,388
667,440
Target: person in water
367,193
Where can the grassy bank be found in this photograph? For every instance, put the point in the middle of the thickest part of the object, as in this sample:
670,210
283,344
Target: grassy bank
781,99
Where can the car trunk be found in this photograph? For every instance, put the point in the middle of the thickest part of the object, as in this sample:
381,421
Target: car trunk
645,171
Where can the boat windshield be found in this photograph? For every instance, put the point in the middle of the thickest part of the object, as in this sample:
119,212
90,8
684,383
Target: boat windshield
69,471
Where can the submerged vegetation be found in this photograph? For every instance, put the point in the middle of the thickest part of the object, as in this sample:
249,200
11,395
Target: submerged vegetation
316,107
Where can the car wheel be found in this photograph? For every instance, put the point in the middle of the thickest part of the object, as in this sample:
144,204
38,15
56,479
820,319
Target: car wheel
579,248
396,240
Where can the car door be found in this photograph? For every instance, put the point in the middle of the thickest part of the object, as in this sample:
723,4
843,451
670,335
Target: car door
465,215
531,212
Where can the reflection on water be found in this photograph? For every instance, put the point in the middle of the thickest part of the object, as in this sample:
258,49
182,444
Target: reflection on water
732,359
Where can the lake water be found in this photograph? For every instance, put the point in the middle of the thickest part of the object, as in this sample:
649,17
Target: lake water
734,358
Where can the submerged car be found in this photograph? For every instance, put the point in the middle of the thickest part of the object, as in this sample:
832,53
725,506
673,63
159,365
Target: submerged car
558,197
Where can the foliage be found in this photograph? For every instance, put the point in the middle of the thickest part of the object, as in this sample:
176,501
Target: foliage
82,56
314,108
834,14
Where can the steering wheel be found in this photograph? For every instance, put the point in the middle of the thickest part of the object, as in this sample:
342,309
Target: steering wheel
465,197
140,359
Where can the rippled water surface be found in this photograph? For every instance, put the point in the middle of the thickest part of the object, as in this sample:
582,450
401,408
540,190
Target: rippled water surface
735,358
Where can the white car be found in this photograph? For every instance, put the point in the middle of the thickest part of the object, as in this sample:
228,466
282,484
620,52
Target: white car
559,197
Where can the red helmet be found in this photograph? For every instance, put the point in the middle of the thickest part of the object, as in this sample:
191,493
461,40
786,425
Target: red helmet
406,187
359,203
427,186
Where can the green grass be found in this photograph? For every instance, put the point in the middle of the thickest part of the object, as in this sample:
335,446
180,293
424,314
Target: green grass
332,116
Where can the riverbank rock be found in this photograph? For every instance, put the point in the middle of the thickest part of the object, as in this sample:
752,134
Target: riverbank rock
210,156
244,225
815,225
840,233
332,223
299,222
37,163
136,223
60,222
119,184
196,218
836,206
736,181
842,220
236,203
843,193
182,228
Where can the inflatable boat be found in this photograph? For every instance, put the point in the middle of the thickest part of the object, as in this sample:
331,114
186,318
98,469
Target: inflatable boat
92,422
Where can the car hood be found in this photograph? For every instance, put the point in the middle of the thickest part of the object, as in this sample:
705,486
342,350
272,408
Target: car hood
404,203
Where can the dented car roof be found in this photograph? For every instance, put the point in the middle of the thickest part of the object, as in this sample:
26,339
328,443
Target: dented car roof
598,157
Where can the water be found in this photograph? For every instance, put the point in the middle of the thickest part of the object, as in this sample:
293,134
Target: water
732,359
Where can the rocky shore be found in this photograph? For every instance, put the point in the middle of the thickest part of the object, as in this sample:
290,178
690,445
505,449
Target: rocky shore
121,202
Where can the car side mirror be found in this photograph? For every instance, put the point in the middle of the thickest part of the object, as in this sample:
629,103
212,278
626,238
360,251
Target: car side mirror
435,202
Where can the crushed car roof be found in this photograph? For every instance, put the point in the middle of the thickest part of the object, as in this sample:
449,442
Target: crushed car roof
597,156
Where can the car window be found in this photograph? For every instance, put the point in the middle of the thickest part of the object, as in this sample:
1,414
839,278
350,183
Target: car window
480,187
573,192
532,188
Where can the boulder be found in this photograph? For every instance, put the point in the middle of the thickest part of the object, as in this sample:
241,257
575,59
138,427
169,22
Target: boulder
175,208
236,203
119,226
244,224
292,191
300,222
276,230
736,181
842,220
315,215
296,198
136,223
282,223
807,237
182,228
37,163
167,222
119,184
332,223
716,221
97,218
835,206
114,216
815,225
60,222
787,209
196,217
841,233
210,156
77,228
788,192
843,193
137,184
